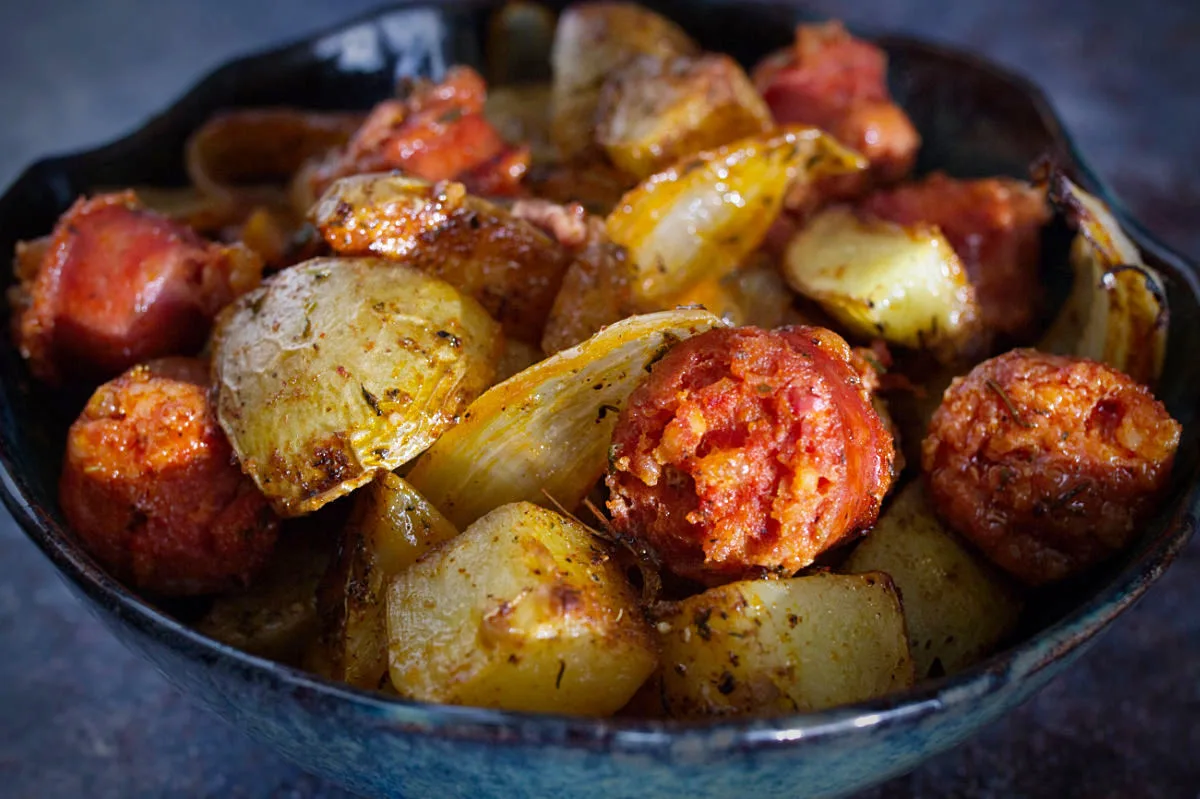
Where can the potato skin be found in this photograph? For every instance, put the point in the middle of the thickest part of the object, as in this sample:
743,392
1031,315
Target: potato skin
117,285
994,225
150,486
748,452
1048,463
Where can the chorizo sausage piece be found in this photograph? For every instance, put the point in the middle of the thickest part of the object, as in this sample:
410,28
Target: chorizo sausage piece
150,485
836,82
1047,463
748,452
117,285
437,133
994,225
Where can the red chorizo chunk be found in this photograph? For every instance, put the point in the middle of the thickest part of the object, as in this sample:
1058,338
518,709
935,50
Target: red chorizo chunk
994,225
437,133
838,83
748,452
150,486
116,285
1048,463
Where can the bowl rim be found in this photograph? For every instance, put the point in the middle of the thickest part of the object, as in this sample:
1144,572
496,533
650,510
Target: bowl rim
642,736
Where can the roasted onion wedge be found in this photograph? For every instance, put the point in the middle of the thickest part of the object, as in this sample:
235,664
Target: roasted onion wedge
700,218
336,369
902,284
511,267
543,434
246,157
1117,310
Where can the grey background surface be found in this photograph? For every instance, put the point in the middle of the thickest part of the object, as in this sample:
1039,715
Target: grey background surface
79,716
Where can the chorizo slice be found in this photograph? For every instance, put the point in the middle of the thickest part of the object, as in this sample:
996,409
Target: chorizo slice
150,485
747,452
1049,464
117,285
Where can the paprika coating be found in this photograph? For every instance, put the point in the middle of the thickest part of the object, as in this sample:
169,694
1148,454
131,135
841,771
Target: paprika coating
116,285
748,453
150,485
1048,464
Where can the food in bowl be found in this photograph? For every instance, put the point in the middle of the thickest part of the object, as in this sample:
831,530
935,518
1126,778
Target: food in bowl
611,395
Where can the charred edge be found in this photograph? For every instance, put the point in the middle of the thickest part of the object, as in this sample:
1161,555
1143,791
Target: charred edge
1152,286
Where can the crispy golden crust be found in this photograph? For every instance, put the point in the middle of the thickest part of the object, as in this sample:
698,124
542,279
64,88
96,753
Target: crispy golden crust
1048,463
117,285
150,485
994,225
747,452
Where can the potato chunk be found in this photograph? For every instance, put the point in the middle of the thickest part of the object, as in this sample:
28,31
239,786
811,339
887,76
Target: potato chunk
523,611
699,219
513,269
390,527
337,369
769,647
654,111
545,432
905,285
592,40
958,608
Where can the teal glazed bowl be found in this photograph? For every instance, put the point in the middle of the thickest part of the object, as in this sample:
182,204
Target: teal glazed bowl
976,120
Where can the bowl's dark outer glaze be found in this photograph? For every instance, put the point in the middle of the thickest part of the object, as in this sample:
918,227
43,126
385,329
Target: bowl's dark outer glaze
975,119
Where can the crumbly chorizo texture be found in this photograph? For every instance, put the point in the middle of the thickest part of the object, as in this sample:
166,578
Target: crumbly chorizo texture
437,133
748,452
830,79
1049,464
150,486
116,285
994,225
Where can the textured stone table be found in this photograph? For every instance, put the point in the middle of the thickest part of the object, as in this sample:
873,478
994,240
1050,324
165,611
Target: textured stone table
79,716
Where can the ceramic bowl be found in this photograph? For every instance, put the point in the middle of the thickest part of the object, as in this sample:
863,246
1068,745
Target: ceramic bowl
976,120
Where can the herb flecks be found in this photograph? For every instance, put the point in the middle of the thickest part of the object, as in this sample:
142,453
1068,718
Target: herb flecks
1008,403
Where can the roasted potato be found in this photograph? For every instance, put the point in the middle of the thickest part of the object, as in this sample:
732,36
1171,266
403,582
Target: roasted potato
543,434
513,269
337,369
1117,311
700,218
276,617
904,285
958,608
523,611
592,40
769,647
596,291
390,527
654,111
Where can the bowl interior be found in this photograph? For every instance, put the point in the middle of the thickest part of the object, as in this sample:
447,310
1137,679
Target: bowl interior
975,120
